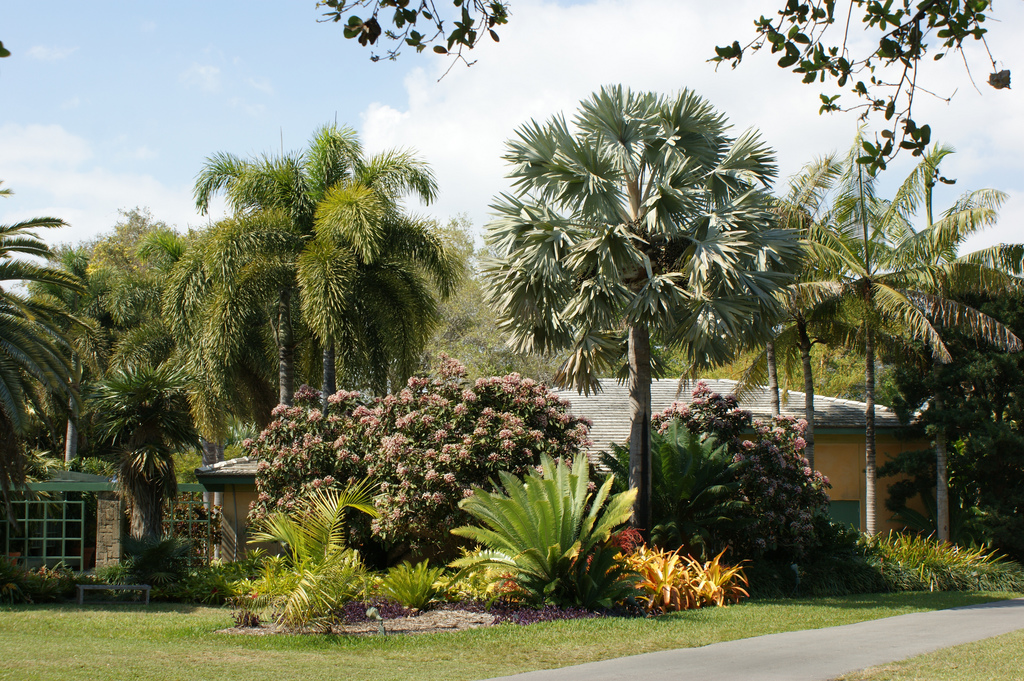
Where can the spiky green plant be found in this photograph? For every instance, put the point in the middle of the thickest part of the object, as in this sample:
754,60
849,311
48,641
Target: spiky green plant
318,572
548,532
414,586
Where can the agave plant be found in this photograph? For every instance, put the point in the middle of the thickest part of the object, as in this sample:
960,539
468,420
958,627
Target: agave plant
318,572
549,533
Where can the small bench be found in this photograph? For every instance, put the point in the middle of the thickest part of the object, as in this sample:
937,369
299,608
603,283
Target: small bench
82,588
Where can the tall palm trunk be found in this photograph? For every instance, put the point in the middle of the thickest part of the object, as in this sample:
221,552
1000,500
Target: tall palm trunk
773,378
804,342
870,474
640,426
941,480
71,436
147,516
330,384
285,350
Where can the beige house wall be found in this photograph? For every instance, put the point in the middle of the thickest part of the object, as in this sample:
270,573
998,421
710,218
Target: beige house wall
842,459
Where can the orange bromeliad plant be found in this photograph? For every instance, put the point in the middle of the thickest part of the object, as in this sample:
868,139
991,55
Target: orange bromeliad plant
670,582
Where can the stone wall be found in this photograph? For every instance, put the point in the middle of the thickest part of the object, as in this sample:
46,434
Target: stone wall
109,515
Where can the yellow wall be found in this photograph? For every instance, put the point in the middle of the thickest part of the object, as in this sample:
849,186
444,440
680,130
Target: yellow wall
841,458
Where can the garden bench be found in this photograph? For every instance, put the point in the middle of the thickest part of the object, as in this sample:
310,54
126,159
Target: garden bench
82,588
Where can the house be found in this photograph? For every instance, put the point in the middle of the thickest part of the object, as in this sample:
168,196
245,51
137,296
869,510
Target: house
839,428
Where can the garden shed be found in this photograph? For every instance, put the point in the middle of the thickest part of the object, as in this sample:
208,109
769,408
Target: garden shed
839,427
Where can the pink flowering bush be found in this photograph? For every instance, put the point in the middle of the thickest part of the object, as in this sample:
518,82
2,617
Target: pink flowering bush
427,446
783,493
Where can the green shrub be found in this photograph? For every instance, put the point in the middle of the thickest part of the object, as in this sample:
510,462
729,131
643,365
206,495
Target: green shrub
161,563
547,534
916,563
318,573
414,587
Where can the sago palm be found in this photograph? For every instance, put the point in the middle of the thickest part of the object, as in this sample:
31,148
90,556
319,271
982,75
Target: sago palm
644,221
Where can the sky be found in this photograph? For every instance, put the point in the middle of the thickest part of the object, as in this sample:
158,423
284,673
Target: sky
114,105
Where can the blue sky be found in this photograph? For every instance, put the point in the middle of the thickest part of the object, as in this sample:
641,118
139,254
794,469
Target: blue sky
111,105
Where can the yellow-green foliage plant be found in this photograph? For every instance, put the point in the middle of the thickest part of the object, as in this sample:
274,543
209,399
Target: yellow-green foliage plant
548,533
716,583
317,572
671,582
414,586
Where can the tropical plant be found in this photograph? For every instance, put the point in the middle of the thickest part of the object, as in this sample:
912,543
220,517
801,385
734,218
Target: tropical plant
696,483
646,223
896,281
414,586
158,561
548,531
915,563
427,445
323,231
318,572
783,494
145,412
671,582
33,358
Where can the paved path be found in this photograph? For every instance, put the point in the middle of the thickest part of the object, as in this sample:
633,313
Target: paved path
811,655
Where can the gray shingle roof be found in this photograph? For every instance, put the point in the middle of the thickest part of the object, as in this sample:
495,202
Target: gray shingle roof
236,467
609,409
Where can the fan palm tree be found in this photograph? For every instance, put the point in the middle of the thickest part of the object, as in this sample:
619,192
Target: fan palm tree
324,232
895,280
145,412
32,349
645,221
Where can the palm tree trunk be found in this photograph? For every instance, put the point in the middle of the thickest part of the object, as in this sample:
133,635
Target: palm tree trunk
773,377
805,359
147,516
71,438
941,480
869,431
330,385
285,350
640,426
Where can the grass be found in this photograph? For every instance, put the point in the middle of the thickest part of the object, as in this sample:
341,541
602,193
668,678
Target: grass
175,641
994,659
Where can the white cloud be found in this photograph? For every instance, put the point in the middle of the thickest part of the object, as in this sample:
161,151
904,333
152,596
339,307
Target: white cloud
205,77
262,85
57,173
46,53
550,57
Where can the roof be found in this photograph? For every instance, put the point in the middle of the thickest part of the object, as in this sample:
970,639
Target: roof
215,476
609,410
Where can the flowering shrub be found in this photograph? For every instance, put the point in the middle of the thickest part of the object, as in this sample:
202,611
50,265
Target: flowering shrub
427,446
783,492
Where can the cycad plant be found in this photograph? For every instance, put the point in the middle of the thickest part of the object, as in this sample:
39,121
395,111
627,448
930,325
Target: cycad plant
548,532
318,572
696,490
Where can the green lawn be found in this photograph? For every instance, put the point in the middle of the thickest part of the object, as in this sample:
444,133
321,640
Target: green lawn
994,659
177,642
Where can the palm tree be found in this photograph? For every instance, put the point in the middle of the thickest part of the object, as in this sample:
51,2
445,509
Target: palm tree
895,279
32,350
324,231
646,221
803,207
145,412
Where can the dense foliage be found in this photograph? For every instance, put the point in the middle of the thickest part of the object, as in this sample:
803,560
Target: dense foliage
980,412
427,446
784,494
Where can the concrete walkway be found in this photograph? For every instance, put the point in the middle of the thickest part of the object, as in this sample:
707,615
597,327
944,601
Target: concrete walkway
811,655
